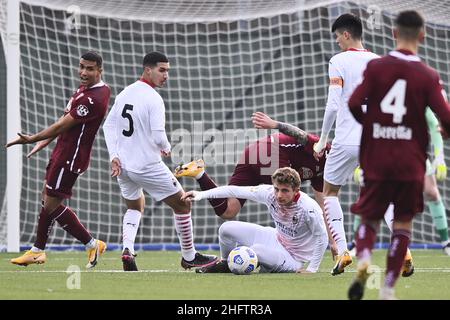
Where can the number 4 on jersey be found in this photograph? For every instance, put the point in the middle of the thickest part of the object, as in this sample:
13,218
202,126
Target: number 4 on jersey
394,101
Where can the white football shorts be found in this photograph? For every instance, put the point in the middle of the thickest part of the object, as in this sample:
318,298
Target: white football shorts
341,162
158,181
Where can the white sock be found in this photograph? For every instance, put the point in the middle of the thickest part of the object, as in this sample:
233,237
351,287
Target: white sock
183,226
389,216
335,220
91,244
130,228
34,249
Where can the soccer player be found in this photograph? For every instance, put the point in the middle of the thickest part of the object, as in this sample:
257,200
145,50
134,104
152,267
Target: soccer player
76,131
398,88
437,170
293,149
345,71
136,138
299,235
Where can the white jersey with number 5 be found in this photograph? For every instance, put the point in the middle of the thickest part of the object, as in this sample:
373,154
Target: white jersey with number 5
345,72
138,112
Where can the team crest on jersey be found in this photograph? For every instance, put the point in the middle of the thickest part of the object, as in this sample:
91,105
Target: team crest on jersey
82,110
295,219
307,173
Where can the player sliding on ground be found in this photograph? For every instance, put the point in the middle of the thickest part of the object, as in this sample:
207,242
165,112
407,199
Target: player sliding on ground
290,148
299,236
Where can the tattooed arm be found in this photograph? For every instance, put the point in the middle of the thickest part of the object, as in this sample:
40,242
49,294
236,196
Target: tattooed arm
290,130
263,121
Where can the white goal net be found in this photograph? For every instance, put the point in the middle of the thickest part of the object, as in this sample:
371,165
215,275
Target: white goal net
228,59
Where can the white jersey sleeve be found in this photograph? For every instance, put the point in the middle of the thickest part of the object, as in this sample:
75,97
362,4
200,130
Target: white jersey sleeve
256,193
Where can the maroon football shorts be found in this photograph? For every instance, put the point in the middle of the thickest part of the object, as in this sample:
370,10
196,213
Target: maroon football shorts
59,181
375,197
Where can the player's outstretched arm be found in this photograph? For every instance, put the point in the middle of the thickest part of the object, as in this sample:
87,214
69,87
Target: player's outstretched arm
62,125
263,121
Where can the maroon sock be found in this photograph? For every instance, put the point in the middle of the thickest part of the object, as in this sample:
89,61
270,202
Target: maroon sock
70,222
365,240
396,255
219,205
45,226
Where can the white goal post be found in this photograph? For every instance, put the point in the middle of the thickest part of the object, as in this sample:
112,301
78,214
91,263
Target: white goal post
228,59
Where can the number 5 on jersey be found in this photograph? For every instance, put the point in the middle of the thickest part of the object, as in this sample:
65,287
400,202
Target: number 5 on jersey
127,115
394,101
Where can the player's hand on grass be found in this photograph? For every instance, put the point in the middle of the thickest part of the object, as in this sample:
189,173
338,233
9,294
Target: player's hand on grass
22,139
190,196
263,121
116,167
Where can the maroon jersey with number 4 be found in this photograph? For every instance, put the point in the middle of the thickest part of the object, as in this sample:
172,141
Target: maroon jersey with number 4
398,88
88,106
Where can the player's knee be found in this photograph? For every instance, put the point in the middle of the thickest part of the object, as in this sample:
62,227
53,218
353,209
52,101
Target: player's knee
227,229
223,230
229,214
182,207
233,208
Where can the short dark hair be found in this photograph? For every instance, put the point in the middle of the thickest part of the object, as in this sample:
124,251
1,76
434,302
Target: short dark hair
153,58
350,23
409,24
93,56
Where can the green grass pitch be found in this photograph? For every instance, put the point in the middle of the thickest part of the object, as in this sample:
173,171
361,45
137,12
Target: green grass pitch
162,278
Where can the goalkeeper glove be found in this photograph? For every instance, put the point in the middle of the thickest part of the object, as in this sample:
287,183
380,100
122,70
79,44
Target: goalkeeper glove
440,166
358,176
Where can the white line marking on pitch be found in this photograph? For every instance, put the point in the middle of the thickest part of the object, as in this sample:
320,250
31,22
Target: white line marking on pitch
89,271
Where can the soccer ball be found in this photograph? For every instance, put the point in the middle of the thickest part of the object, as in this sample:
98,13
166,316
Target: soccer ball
242,260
